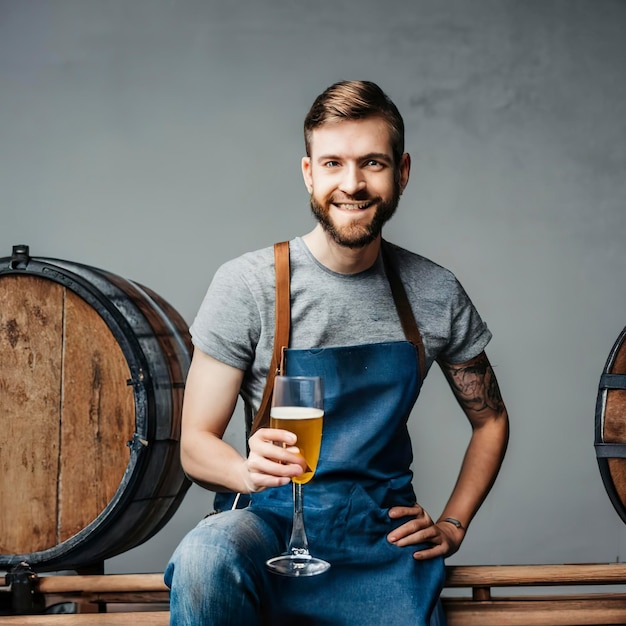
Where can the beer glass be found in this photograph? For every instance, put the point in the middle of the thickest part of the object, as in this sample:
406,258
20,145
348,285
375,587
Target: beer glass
298,406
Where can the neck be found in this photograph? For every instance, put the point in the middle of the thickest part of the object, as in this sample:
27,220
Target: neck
338,258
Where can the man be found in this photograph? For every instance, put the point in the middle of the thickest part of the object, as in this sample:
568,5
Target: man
386,553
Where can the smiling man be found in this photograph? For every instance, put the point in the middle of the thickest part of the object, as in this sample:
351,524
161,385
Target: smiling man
355,192
371,318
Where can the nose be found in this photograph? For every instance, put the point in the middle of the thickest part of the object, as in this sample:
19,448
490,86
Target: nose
352,180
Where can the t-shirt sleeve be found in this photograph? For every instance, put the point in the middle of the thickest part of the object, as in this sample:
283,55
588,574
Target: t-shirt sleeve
227,325
468,333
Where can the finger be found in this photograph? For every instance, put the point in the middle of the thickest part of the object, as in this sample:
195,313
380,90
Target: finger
430,552
277,435
286,456
420,519
405,511
263,473
279,454
279,463
415,531
277,444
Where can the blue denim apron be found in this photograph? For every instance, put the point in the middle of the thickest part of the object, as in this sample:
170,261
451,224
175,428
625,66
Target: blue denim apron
363,470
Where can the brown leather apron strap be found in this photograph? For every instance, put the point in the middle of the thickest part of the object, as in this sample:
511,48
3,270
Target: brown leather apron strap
283,320
281,331
407,319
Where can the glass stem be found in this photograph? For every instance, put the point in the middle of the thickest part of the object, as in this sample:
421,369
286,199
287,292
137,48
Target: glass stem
298,543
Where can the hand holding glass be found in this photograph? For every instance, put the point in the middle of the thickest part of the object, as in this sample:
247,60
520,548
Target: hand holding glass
298,406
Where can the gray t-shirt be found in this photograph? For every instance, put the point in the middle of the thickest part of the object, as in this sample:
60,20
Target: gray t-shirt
235,323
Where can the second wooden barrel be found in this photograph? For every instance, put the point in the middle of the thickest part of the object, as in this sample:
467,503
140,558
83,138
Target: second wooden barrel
610,425
92,372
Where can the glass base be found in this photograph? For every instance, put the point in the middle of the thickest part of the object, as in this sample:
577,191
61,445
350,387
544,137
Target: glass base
297,565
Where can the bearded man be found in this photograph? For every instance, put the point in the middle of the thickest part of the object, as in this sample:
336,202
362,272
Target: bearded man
370,318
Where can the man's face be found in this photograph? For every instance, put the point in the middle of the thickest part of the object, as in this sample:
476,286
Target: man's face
354,183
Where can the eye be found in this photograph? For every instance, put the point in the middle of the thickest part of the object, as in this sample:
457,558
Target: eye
374,164
331,164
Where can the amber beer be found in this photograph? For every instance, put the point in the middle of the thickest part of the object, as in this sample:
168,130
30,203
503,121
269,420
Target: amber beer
306,424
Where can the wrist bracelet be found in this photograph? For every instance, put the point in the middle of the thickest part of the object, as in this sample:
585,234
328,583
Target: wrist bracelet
454,522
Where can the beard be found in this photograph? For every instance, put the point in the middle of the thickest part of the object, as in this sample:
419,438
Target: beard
355,234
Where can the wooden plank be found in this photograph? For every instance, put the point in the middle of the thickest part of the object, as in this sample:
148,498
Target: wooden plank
31,318
108,583
586,610
113,598
136,618
98,417
535,575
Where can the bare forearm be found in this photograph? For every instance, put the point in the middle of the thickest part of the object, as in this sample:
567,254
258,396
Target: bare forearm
481,464
212,463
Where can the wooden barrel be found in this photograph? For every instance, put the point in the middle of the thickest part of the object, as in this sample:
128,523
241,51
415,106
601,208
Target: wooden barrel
610,426
92,371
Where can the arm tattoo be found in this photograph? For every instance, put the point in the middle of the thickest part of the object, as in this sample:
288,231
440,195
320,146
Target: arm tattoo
474,384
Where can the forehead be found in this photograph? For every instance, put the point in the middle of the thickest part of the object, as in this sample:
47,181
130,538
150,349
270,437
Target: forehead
351,138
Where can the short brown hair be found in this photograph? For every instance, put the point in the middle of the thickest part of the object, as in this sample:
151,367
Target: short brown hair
355,100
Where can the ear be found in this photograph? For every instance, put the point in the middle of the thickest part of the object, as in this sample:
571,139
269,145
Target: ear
404,171
306,173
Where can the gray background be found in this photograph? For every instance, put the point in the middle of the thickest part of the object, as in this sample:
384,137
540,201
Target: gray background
156,139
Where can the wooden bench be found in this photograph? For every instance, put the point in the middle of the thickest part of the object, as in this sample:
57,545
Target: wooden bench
136,618
571,608
482,607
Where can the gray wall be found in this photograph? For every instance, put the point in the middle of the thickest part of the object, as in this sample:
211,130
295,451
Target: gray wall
156,139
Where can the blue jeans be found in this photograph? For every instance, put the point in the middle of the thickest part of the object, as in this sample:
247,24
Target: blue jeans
217,576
